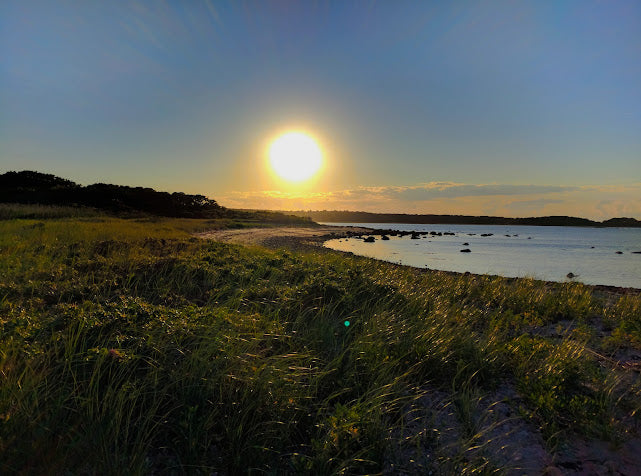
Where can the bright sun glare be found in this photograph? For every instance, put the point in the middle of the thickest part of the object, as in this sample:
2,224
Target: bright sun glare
295,156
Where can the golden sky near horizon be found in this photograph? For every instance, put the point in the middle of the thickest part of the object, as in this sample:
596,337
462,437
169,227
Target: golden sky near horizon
516,109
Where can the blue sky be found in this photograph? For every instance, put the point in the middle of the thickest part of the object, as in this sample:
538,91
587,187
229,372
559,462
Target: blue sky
514,108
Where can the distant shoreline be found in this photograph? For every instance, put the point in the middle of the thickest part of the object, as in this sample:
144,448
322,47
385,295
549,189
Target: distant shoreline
430,219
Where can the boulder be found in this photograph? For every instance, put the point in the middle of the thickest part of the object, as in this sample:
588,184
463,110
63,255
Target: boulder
466,250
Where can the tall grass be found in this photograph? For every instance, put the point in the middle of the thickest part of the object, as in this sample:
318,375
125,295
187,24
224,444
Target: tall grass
127,346
9,211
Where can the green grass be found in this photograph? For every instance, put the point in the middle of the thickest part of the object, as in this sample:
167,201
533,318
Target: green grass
128,346
10,211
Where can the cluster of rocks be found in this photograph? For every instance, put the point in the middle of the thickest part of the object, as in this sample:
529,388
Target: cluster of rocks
370,237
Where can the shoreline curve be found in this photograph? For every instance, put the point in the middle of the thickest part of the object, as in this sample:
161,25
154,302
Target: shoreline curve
313,238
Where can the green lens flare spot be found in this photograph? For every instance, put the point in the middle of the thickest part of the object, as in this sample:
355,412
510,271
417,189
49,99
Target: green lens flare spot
346,323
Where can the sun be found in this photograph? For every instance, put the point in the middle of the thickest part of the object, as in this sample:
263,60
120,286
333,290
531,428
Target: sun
295,156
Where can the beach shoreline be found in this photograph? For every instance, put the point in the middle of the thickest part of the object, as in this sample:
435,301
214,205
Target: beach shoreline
313,238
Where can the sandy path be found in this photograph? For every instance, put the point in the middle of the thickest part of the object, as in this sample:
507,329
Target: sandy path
280,236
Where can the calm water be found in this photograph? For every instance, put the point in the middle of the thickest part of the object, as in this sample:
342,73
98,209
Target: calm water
541,252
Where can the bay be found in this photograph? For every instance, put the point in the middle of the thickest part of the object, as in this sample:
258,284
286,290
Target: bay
541,252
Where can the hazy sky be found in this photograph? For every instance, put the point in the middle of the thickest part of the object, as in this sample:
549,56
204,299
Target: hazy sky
510,108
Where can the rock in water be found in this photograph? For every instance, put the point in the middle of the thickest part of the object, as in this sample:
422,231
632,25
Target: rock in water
369,239
466,250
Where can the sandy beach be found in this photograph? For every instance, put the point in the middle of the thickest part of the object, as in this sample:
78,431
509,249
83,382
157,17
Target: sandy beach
273,237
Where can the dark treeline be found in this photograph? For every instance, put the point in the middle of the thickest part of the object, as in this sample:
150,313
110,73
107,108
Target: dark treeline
366,217
28,187
35,187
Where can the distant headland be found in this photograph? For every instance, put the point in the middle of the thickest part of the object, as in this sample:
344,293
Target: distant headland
367,217
30,187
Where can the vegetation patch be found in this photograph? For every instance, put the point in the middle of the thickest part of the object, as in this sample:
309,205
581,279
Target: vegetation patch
129,346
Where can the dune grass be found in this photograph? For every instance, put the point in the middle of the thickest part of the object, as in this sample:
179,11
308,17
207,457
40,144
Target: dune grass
131,347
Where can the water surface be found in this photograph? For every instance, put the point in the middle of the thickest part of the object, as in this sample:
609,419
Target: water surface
541,252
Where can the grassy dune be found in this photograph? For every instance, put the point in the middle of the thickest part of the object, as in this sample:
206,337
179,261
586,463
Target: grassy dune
130,347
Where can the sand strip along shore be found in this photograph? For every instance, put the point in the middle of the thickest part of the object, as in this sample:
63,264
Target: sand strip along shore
289,237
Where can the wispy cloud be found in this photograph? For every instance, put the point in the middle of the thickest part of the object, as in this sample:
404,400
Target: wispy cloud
431,190
533,204
599,202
